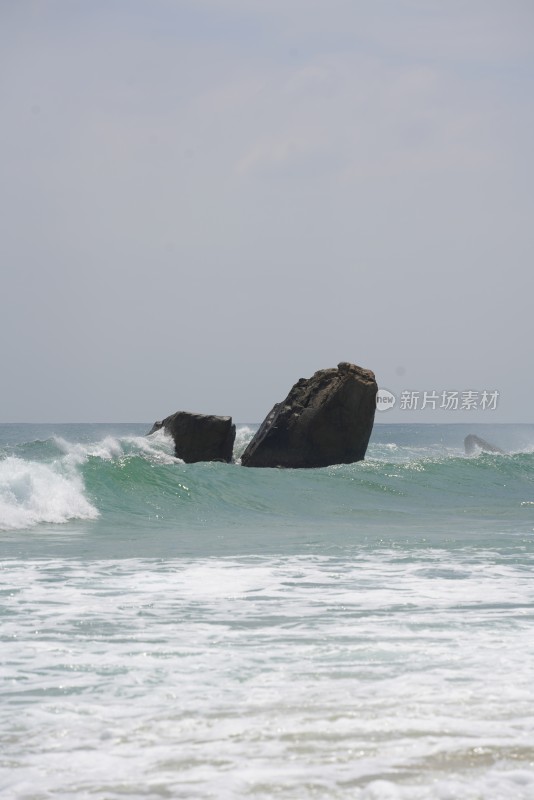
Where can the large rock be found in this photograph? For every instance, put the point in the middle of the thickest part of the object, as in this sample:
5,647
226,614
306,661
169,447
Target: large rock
199,437
326,419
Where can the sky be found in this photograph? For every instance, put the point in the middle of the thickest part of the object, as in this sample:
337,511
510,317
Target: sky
202,201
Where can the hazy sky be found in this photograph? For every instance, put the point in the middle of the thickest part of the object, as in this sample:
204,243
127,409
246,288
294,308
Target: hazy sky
202,201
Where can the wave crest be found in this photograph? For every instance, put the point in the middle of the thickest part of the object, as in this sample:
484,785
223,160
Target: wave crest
157,448
31,493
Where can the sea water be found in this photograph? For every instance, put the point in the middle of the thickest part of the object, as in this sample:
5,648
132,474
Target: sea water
212,631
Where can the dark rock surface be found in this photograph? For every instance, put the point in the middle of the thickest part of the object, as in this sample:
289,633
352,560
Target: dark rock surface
326,419
199,437
474,443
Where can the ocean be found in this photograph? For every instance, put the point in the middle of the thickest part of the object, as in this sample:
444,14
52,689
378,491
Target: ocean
361,631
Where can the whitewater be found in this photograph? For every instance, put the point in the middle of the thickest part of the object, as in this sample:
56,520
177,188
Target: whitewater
211,631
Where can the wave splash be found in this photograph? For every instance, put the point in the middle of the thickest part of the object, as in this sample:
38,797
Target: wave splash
34,492
31,493
157,448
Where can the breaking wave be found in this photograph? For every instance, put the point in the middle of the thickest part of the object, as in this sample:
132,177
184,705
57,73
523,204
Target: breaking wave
139,478
53,488
31,493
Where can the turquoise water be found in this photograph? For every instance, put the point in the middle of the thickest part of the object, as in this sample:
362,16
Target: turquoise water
208,630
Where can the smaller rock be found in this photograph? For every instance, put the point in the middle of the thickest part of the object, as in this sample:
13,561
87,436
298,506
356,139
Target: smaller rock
199,437
475,444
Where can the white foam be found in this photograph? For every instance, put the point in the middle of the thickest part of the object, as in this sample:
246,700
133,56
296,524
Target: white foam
243,435
158,447
78,453
31,493
296,677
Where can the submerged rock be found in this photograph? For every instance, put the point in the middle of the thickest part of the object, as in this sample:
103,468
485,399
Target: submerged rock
473,443
199,437
326,419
